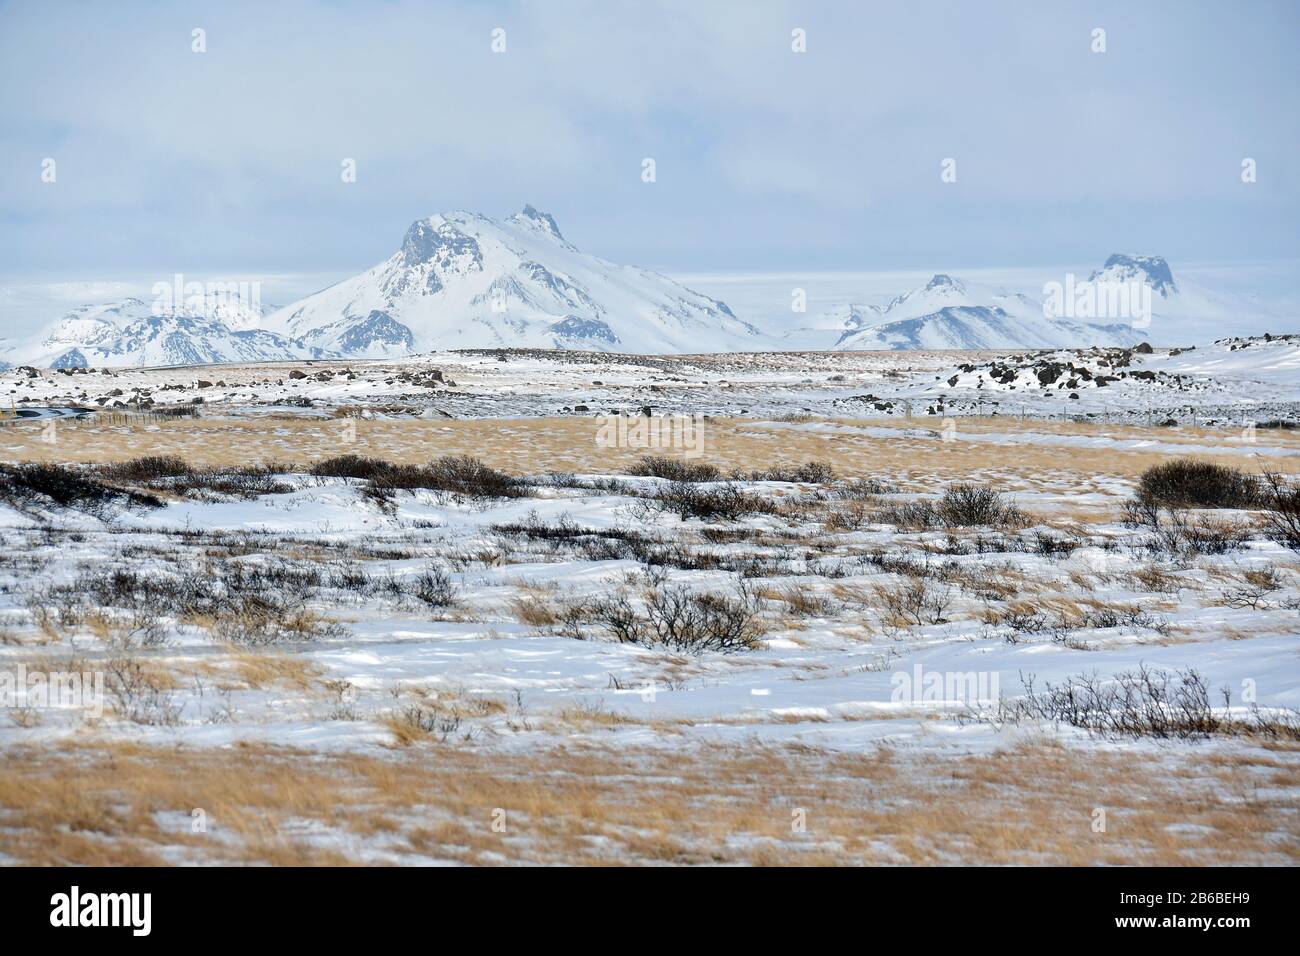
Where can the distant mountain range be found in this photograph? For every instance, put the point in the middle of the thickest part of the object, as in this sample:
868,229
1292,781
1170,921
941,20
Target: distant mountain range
948,313
462,280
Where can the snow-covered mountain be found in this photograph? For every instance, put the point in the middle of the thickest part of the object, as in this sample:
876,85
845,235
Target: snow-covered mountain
462,280
1154,271
129,332
949,313
1190,312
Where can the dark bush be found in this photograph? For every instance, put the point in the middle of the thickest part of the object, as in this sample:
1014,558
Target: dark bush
1143,703
962,506
1191,483
1282,511
965,506
674,469
1193,536
352,466
682,620
145,469
723,501
67,487
811,472
246,481
463,475
702,621
910,515
434,587
458,474
167,472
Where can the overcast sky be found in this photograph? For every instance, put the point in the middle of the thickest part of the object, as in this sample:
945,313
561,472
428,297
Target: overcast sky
766,159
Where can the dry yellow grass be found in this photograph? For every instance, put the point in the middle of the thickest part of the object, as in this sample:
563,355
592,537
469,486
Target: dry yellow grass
127,804
569,444
262,670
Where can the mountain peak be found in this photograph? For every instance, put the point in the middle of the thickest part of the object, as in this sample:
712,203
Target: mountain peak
1153,270
539,220
437,240
942,281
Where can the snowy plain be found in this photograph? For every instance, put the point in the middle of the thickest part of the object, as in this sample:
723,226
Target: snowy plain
425,625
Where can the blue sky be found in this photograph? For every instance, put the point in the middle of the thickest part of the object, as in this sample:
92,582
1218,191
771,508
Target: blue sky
767,159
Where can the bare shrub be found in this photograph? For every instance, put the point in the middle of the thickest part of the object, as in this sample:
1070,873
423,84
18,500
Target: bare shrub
39,483
1192,483
862,489
851,515
811,472
674,469
913,602
697,621
595,544
683,620
468,477
1140,512
961,506
422,720
1281,518
170,473
966,506
723,501
352,466
1049,545
1143,703
573,617
1192,536
250,620
138,695
247,481
135,628
147,468
433,586
1154,579
620,619
1257,584
910,515
1059,624
1176,532
460,475
1020,618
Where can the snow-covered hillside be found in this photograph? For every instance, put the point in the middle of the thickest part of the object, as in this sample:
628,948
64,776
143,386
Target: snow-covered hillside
952,313
949,313
462,280
131,332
